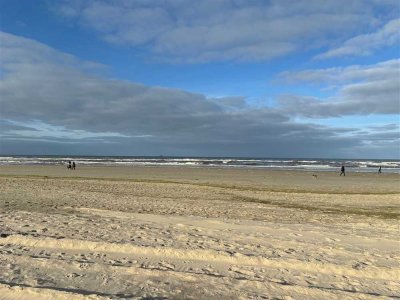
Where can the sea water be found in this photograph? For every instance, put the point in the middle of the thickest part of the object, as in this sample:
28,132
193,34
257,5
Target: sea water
355,165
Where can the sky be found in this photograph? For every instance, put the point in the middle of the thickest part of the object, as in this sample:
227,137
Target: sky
237,78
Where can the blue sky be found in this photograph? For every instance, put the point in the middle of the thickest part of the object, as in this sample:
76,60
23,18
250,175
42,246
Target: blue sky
218,78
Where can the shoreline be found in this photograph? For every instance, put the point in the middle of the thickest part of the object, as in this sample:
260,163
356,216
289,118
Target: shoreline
262,179
197,233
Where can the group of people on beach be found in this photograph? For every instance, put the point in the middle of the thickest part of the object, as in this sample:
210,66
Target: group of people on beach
343,170
71,165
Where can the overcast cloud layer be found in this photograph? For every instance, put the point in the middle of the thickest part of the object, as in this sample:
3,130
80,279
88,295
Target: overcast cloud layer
240,30
44,90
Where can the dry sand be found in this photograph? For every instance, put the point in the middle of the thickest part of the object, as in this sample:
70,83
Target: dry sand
197,233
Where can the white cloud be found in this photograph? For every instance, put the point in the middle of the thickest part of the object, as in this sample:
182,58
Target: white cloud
366,44
361,90
382,70
38,129
214,30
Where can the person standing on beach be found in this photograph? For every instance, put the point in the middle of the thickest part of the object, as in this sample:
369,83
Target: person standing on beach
342,171
73,165
380,169
69,165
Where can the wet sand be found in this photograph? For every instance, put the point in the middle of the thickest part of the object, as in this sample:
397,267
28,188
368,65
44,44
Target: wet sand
197,233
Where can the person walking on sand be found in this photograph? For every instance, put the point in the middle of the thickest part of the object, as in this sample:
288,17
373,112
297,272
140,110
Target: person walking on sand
69,167
380,169
73,165
342,171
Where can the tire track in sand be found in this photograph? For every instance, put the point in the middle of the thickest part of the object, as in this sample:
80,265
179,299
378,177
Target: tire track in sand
210,256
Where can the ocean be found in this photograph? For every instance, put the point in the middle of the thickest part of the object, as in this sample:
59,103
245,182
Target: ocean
353,165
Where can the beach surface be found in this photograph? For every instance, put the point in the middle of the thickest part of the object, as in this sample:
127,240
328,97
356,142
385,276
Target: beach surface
197,233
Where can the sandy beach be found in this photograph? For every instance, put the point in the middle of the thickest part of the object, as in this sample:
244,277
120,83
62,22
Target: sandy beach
197,233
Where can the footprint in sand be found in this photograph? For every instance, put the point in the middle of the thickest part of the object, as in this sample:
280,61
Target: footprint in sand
241,271
295,234
73,275
290,251
359,265
166,266
332,240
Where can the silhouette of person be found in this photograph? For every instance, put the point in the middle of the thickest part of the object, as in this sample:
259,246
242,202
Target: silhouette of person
380,169
342,171
69,165
73,165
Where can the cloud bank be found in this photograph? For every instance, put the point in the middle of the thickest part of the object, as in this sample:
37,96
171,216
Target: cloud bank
48,91
366,44
223,30
361,90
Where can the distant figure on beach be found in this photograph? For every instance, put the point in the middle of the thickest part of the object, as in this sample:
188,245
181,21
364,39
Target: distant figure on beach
69,166
342,171
73,165
380,169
